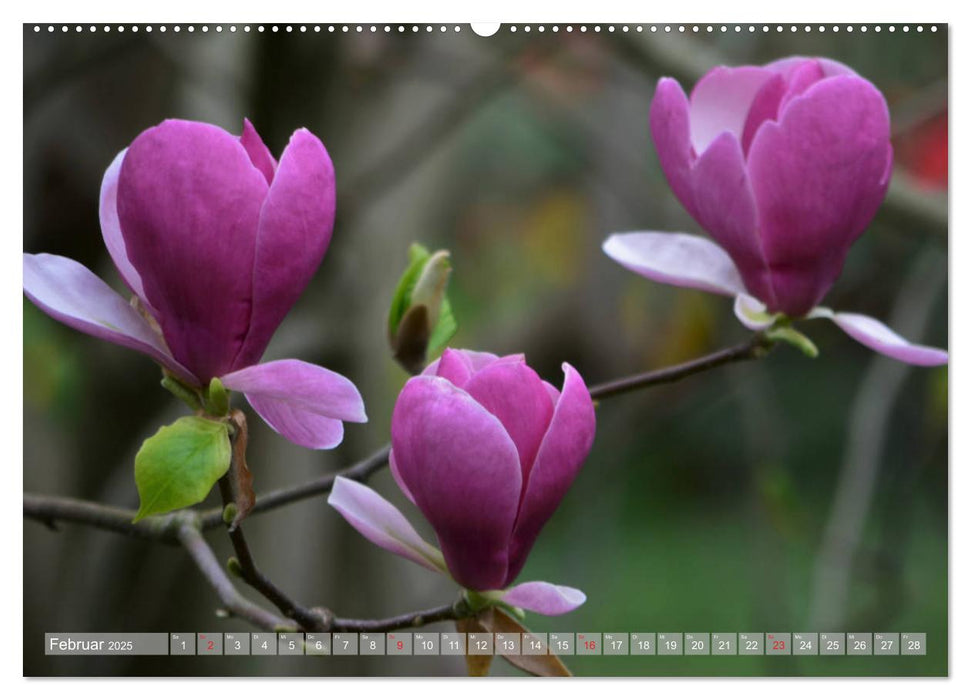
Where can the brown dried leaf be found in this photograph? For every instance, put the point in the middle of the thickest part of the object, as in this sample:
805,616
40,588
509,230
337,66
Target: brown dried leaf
497,620
239,476
477,665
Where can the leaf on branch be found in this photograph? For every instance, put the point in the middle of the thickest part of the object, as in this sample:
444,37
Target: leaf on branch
177,467
240,477
496,619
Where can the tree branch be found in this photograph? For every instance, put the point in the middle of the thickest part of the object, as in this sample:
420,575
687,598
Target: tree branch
274,499
195,544
419,618
757,346
51,510
310,619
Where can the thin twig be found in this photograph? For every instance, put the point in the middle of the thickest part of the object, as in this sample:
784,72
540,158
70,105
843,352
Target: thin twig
360,471
757,346
419,618
312,620
210,567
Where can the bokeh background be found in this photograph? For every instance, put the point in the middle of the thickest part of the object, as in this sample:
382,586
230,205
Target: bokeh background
784,495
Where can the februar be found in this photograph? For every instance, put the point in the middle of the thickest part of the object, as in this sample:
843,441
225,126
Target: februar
76,645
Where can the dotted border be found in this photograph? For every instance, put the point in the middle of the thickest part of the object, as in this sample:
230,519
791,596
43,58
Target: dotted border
509,28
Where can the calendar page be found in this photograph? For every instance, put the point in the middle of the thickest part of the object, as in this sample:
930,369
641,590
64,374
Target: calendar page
548,349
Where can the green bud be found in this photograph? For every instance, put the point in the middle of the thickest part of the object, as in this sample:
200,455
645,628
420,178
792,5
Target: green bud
229,513
217,398
234,567
429,290
420,321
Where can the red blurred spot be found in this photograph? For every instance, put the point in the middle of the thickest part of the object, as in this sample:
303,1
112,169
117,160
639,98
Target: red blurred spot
922,151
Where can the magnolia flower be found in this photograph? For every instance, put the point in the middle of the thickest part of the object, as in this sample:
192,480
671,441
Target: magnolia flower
216,240
784,165
486,450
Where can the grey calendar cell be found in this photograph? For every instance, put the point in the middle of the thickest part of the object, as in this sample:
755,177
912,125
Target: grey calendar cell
589,643
859,643
371,644
480,644
508,643
398,643
344,643
426,643
562,643
886,644
317,644
453,643
616,644
751,643
805,644
209,643
236,643
182,644
724,644
670,643
289,644
262,644
832,643
913,643
643,643
697,644
778,643
535,644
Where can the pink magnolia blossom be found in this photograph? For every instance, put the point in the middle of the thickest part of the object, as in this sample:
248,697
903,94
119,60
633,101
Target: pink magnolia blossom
216,240
785,166
486,450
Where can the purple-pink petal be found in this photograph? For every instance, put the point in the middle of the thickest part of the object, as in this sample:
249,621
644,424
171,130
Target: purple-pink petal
720,102
463,470
382,523
544,598
514,393
676,258
303,402
565,446
877,336
725,207
295,228
671,132
188,204
258,153
393,465
111,229
69,292
818,174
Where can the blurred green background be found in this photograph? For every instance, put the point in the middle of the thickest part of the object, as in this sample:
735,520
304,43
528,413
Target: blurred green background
784,495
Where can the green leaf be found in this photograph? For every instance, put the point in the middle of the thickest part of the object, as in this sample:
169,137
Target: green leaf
178,466
443,331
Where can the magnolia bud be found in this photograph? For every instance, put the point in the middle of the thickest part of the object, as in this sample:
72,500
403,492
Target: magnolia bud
420,321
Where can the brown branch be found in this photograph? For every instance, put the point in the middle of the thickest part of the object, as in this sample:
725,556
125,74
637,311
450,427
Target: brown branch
274,499
51,510
195,544
757,346
419,618
309,619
